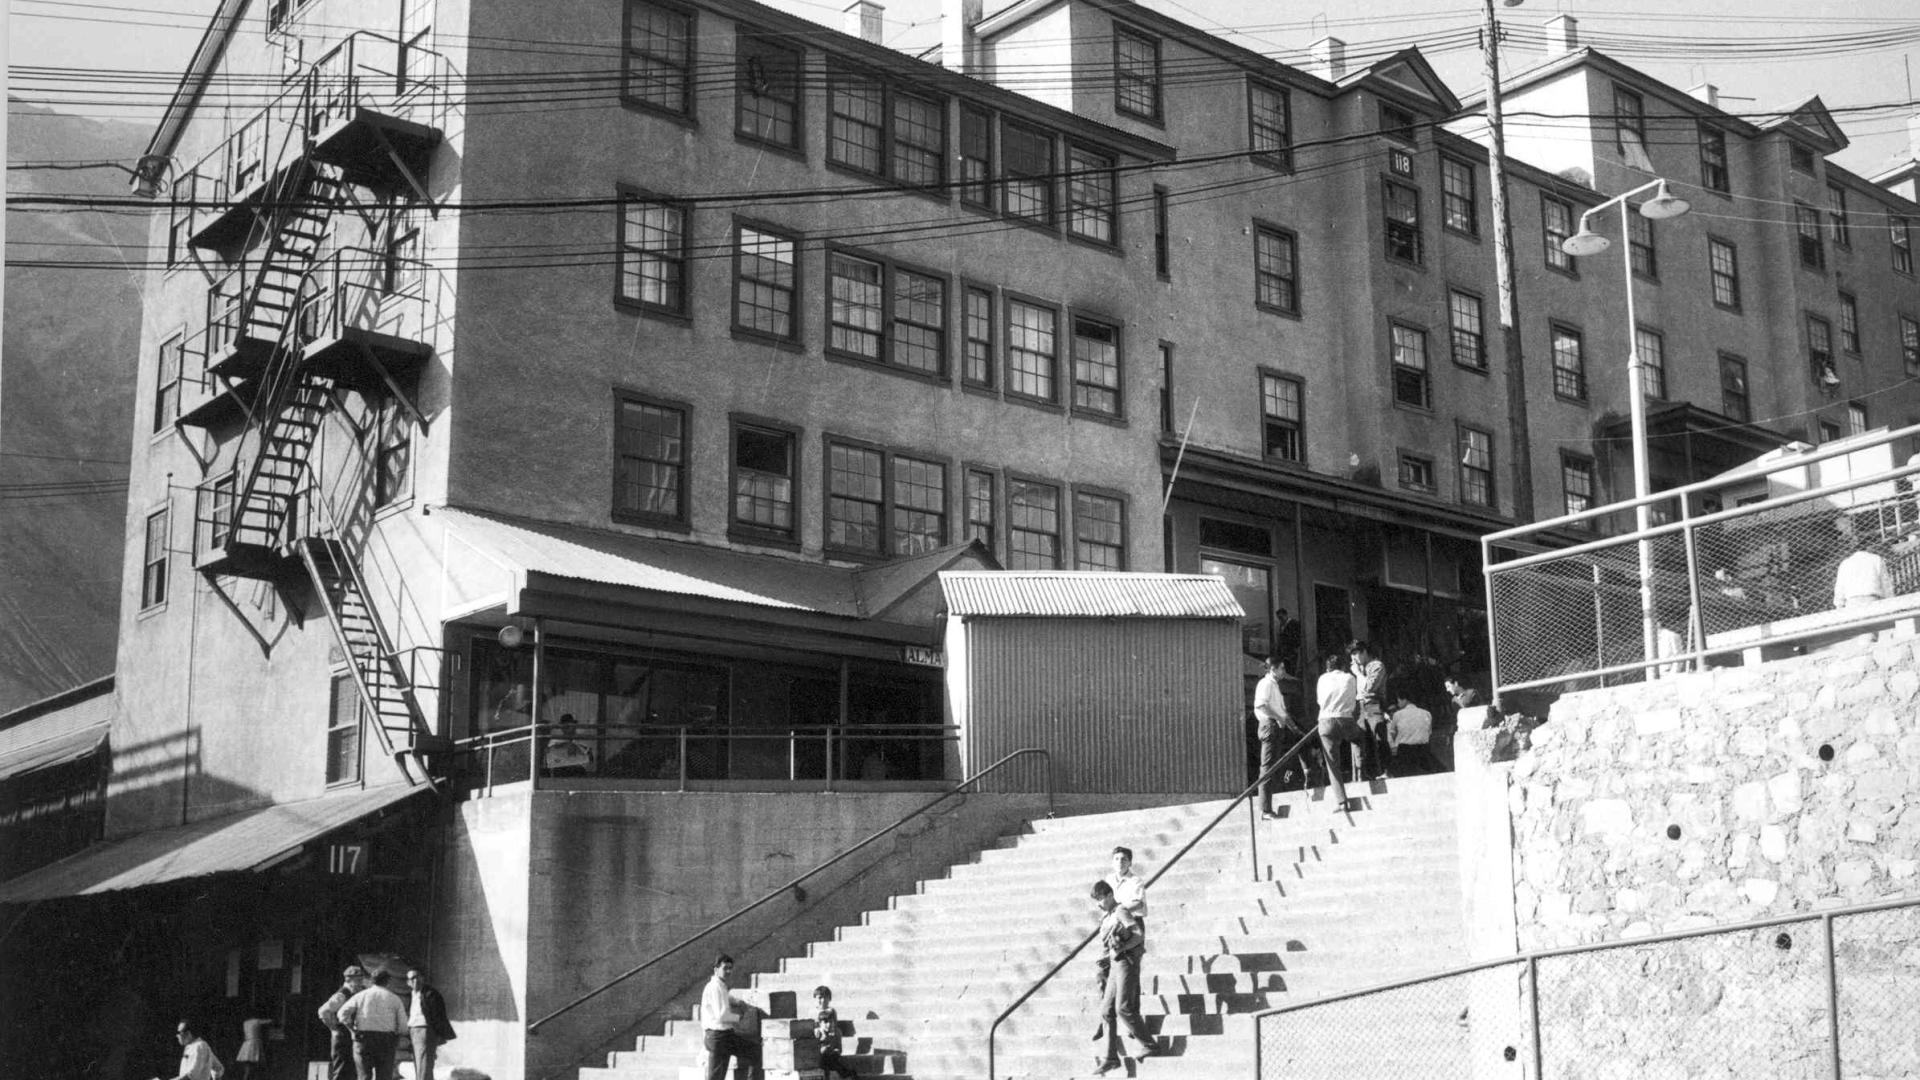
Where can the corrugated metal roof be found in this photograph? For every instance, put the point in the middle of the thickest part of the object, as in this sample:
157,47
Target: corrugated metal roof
236,842
1088,594
57,736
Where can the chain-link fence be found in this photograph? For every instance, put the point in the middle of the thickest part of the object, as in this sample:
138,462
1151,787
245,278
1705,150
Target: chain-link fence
1793,554
1821,995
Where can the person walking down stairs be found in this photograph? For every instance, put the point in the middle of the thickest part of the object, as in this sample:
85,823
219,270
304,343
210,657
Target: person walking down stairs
1123,946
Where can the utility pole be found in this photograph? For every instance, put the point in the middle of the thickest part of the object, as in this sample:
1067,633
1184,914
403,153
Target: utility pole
1522,450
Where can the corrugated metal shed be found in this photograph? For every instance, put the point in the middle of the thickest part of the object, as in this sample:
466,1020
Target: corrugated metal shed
1087,594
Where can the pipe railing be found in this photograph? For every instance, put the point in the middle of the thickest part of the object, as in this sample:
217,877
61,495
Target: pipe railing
795,885
993,1029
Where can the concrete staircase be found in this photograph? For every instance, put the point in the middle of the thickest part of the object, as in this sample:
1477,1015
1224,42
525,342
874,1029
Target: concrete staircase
1341,902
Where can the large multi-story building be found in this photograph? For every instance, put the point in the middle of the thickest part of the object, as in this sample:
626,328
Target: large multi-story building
637,365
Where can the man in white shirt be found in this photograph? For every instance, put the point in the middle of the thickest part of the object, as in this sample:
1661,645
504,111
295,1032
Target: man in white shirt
197,1060
1338,692
1270,709
1409,731
1370,684
378,1019
719,1020
1861,579
1130,892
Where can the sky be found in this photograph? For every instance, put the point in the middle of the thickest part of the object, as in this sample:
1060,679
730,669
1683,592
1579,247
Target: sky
1855,54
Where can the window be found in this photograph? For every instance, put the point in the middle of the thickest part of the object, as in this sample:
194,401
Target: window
1403,221
1856,419
650,454
1910,344
977,334
1629,123
1283,417
1820,348
1166,387
1837,216
179,222
980,519
1411,384
1028,186
1032,349
653,254
1723,260
1270,124
1569,365
918,151
401,266
1653,361
1849,323
763,467
767,95
1556,225
1416,472
392,458
1713,160
1090,197
1576,482
1099,532
1096,367
1276,270
765,283
856,122
1800,158
880,131
881,312
153,563
1033,525
343,731
658,72
884,503
1162,235
1829,432
1900,234
1136,74
976,157
919,505
1466,330
1396,123
221,494
1458,209
1476,466
1733,388
1813,253
166,383
247,156
1645,260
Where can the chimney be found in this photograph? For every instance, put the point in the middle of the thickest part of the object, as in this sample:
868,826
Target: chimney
862,20
959,45
1329,58
1706,92
1563,35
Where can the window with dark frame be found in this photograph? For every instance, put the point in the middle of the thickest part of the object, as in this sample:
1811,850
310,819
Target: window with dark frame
978,363
1813,251
1723,261
1412,381
1900,236
650,457
1033,349
1091,209
1096,367
1713,160
1820,348
179,223
1800,158
658,68
1576,484
886,313
1136,73
856,122
1910,344
856,498
1396,122
392,457
917,504
917,153
766,283
1645,259
1458,205
1099,532
1033,525
980,504
1837,223
1629,121
221,495
1476,466
1733,388
1556,225
1569,364
768,92
1283,417
1856,418
1026,187
1849,324
1162,234
764,464
1276,269
1416,472
1402,206
976,157
1270,124
344,714
154,561
1653,362
653,253
166,382
1466,330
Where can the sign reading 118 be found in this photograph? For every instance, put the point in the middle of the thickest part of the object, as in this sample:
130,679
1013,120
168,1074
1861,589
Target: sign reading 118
347,859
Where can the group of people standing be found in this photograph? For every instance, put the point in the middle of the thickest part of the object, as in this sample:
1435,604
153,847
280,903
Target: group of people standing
366,1022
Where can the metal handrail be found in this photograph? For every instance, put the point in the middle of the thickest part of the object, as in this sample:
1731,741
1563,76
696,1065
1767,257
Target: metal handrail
793,886
993,1029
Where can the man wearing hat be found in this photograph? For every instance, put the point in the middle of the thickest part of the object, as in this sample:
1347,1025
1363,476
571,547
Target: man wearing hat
340,1052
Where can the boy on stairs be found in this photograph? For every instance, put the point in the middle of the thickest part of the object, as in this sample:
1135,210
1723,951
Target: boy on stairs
1123,945
826,1028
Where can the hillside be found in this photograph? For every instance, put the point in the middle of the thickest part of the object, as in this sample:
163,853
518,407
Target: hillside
67,367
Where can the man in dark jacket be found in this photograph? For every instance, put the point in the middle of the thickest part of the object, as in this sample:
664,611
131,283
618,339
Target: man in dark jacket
340,1061
427,1023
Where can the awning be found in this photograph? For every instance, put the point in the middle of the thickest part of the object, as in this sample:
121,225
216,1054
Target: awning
66,729
254,840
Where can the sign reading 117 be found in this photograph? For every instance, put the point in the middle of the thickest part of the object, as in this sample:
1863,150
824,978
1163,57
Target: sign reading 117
347,859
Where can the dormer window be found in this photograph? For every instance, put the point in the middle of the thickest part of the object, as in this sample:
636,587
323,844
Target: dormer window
1396,122
1800,157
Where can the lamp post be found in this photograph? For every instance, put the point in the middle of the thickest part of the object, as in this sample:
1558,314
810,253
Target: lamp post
1522,450
1662,206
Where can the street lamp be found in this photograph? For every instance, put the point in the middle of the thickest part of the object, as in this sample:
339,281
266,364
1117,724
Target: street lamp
1662,206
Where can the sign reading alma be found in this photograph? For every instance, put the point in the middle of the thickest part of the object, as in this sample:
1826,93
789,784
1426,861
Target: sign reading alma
923,656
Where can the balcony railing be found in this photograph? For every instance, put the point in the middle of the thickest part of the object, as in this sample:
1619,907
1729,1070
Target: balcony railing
1746,584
